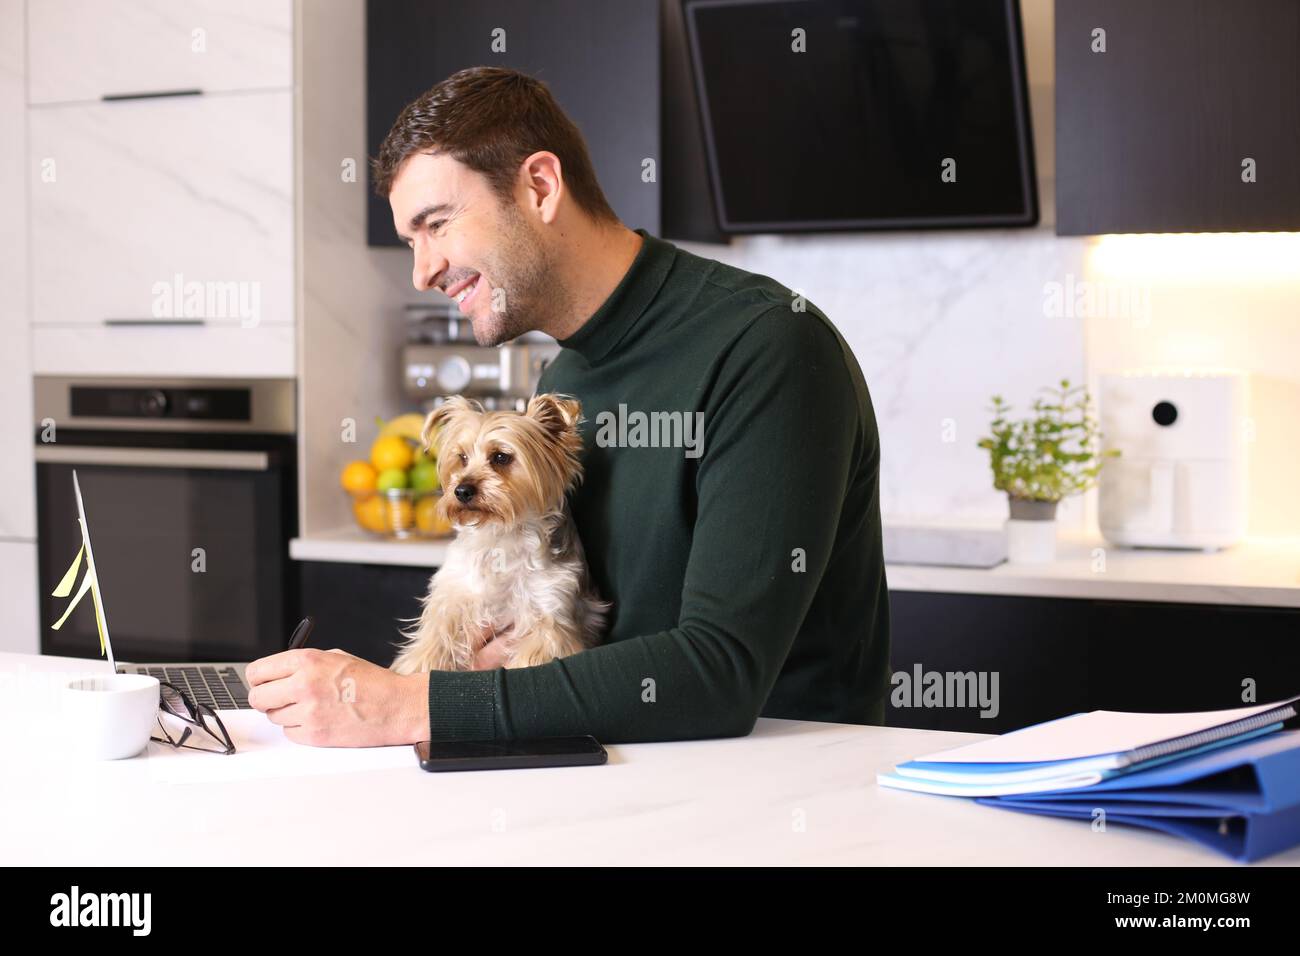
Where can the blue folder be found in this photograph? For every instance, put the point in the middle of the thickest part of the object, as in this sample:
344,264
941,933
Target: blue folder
1241,800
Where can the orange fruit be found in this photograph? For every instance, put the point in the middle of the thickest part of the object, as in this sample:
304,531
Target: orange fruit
371,513
391,451
358,477
428,520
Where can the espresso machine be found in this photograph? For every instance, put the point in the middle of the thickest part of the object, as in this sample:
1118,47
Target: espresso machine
441,358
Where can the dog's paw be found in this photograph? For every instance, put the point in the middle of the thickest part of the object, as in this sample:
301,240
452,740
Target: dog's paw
419,658
530,654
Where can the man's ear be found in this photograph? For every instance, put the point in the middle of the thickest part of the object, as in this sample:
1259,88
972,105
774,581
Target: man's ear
543,178
556,413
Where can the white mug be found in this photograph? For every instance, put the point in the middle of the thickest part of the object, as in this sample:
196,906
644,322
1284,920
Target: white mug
110,716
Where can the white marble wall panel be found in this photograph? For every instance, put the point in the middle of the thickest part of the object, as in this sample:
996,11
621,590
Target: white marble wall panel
131,198
84,49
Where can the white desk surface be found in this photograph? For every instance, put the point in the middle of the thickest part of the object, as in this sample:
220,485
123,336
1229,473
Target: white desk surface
791,793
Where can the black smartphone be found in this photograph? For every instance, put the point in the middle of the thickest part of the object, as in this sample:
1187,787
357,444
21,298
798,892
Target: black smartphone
445,755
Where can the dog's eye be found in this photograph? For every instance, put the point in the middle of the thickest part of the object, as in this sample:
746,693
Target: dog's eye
501,459
464,460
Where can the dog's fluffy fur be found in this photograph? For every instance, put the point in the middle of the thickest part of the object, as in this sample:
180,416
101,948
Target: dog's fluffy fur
516,567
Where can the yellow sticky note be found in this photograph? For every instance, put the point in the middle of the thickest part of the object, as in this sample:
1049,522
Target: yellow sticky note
65,585
81,592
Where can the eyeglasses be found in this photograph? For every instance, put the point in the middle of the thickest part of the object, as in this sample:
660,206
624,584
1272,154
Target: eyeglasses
198,721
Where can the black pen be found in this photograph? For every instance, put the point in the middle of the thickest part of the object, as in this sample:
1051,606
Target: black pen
301,633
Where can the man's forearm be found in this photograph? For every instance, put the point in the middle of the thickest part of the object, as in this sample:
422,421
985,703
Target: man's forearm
665,686
460,705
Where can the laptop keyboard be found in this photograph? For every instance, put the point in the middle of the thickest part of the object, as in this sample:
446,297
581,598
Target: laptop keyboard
220,689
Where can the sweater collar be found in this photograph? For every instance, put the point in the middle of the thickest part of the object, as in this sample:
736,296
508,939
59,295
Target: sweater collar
599,335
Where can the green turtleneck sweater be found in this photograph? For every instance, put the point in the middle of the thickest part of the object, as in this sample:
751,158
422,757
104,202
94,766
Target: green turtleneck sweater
736,531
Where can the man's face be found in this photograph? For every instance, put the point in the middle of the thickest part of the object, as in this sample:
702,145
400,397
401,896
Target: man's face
479,251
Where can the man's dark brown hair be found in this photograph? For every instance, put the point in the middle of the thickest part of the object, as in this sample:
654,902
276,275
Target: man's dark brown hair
491,119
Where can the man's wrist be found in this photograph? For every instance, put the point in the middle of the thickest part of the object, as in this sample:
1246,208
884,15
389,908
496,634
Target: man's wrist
415,708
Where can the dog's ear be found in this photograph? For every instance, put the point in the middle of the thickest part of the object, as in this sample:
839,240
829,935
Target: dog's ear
560,416
556,413
447,412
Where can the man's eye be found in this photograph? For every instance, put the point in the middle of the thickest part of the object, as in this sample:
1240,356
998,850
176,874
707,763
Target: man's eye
437,224
501,459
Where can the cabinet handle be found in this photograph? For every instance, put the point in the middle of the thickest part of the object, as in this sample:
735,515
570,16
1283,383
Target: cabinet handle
118,97
153,457
131,322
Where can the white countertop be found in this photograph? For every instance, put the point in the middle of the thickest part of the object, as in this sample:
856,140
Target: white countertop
1259,572
352,545
791,793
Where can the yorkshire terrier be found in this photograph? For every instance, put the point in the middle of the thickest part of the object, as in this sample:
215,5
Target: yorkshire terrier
516,568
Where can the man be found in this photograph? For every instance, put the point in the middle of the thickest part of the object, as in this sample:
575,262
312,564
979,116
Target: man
738,535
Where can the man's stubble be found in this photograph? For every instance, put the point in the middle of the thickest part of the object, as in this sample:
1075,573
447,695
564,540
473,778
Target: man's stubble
528,294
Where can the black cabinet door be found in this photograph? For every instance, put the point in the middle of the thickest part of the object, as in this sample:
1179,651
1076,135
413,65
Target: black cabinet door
362,608
1154,134
1030,656
600,60
1053,657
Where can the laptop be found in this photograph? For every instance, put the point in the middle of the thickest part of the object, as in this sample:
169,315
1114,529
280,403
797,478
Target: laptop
220,686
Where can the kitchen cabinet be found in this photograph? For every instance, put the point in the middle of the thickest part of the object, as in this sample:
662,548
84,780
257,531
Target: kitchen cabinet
619,70
17,495
173,211
1177,116
154,350
19,626
362,608
1057,656
87,49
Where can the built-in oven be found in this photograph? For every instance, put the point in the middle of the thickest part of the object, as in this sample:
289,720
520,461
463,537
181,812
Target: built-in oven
190,491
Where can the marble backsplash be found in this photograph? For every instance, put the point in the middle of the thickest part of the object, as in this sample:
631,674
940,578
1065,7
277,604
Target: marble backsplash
939,322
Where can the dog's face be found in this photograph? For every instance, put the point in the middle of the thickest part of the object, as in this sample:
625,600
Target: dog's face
505,467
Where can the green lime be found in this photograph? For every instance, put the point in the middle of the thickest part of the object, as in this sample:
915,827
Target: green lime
391,478
424,476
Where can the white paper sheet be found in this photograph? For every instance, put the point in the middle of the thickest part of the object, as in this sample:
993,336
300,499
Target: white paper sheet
1089,735
263,751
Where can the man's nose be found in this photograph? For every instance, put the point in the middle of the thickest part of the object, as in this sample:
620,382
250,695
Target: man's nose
465,492
427,268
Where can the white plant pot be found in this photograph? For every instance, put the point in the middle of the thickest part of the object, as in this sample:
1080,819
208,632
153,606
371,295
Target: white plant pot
1031,531
1031,542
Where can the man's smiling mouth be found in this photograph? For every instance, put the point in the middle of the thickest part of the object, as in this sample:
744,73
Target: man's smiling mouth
464,289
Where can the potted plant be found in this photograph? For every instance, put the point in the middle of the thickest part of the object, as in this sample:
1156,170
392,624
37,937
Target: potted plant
1040,460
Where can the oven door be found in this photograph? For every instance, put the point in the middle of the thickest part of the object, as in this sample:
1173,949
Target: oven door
191,543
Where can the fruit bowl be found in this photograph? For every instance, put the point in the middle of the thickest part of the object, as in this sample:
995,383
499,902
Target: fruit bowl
394,493
399,513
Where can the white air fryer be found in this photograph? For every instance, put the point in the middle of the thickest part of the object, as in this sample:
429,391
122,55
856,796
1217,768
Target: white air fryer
1180,481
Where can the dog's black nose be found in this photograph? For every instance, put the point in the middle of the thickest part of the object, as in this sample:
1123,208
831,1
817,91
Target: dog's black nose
465,493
